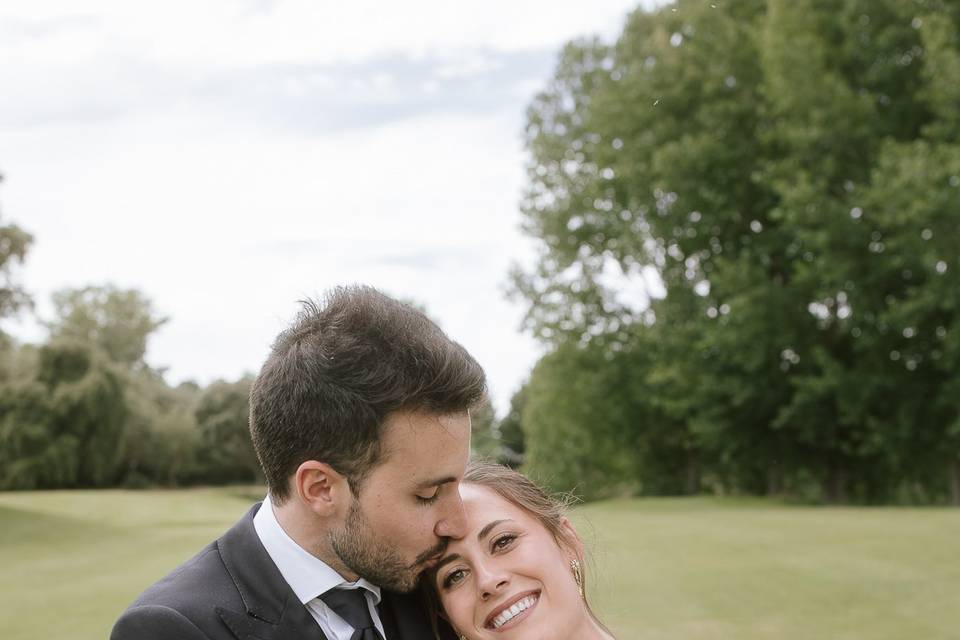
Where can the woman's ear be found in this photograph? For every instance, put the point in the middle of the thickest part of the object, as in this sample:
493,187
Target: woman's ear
321,488
572,539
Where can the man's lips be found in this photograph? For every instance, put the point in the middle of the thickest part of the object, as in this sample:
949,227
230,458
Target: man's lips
488,623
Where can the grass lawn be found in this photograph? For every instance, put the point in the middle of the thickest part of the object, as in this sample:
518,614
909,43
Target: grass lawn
664,569
671,569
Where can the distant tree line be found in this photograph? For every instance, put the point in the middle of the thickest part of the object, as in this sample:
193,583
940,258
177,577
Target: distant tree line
84,409
782,179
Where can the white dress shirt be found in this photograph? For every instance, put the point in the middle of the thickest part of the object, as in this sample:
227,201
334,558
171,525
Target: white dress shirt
310,577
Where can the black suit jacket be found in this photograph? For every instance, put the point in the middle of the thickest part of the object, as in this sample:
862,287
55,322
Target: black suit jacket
232,590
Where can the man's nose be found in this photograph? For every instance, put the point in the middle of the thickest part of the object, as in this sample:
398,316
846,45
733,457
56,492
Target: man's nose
453,520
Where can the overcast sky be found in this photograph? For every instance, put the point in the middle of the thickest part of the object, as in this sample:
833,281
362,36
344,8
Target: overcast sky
228,158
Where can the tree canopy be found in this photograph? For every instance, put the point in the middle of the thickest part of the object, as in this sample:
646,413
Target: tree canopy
755,204
118,321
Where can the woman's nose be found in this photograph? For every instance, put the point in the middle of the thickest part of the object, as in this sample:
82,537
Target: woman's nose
490,579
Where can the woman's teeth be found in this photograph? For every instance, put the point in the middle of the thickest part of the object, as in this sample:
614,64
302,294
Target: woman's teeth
508,614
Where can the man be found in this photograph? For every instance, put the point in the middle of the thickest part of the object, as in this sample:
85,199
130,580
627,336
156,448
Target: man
360,421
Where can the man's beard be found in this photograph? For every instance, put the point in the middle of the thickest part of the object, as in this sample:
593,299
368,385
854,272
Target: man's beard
371,559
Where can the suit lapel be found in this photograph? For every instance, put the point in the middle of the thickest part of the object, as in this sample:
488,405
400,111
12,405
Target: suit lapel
296,622
272,609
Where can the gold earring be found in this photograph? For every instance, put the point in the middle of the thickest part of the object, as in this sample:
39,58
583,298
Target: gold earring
462,637
577,575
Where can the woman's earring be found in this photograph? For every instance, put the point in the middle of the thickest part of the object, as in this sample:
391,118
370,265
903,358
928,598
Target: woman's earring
462,637
577,575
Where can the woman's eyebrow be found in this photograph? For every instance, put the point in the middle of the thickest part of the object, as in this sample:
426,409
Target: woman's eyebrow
480,536
486,530
446,560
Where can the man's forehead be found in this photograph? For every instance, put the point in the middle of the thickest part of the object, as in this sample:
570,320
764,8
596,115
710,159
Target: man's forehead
433,473
425,449
404,423
408,433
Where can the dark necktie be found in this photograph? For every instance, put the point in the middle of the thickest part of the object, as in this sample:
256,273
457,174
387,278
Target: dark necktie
351,605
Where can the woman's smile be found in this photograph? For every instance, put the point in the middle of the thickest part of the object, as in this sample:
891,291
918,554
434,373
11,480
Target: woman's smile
512,612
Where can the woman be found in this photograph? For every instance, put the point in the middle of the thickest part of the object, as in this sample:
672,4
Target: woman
518,573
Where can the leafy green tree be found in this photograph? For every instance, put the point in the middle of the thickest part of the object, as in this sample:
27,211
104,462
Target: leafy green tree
161,439
578,424
226,452
484,431
788,170
118,321
512,447
60,423
157,444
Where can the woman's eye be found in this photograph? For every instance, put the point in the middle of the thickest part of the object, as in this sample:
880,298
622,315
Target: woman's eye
503,542
453,578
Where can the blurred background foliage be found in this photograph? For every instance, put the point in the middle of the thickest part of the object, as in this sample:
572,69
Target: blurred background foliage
747,222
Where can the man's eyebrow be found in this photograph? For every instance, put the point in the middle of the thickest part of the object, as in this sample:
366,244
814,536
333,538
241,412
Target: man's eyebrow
483,532
426,484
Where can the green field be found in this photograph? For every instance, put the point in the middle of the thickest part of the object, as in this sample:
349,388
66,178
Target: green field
664,569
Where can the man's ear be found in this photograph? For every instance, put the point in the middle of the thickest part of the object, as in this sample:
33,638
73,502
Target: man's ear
321,488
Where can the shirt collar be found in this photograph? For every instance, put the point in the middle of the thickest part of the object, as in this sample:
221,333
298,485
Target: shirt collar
307,575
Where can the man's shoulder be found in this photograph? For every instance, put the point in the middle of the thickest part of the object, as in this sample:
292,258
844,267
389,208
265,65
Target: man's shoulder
183,603
191,584
190,600
155,622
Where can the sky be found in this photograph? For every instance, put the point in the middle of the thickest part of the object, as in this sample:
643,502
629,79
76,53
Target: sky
231,157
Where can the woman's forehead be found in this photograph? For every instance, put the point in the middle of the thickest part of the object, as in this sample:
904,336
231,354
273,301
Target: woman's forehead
484,505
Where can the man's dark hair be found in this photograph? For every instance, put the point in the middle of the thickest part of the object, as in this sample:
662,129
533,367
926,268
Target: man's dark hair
339,370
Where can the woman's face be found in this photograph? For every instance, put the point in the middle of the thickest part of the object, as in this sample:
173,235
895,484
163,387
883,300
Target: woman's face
508,577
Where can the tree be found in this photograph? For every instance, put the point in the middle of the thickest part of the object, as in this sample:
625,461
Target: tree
788,169
60,423
512,441
484,430
226,450
118,321
161,440
578,424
